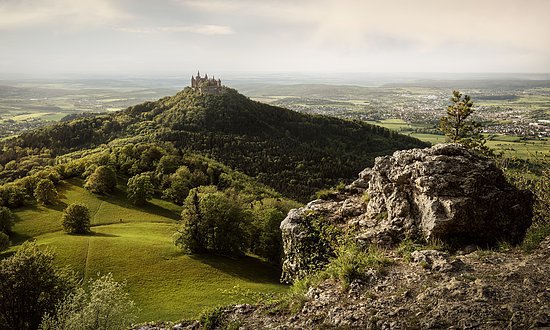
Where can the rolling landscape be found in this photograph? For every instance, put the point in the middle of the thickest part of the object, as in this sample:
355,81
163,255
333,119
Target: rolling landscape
352,167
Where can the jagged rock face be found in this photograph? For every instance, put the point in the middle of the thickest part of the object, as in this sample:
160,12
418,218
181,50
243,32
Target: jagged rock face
444,192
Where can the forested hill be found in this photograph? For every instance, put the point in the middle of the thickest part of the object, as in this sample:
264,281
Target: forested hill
294,153
297,154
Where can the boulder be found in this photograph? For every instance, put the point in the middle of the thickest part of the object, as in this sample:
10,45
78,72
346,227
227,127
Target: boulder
445,192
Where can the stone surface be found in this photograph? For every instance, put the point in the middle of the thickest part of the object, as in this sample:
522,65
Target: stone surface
493,290
444,192
434,260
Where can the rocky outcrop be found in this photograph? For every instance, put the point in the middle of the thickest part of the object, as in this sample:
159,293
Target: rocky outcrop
444,192
485,290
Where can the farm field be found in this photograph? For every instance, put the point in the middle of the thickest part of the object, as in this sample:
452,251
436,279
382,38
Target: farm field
160,278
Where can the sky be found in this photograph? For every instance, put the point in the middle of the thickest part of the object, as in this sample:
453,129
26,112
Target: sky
170,37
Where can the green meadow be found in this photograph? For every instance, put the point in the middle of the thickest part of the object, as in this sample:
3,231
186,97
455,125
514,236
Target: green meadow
509,145
135,244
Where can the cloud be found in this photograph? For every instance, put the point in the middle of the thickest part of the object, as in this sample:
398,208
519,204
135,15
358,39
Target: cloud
198,29
16,14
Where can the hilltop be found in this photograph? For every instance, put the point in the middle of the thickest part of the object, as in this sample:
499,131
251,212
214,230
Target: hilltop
296,154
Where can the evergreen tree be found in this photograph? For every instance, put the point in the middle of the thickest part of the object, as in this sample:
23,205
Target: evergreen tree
458,128
213,222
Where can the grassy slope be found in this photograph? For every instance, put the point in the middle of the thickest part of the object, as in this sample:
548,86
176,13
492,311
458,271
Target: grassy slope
165,283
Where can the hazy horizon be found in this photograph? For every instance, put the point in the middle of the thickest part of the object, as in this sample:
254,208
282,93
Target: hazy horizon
176,37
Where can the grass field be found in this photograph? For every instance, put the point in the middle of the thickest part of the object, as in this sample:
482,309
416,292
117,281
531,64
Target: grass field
165,283
511,146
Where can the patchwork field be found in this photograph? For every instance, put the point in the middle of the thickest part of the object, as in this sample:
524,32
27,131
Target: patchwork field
135,244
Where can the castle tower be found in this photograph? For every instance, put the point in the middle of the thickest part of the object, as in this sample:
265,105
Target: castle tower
205,85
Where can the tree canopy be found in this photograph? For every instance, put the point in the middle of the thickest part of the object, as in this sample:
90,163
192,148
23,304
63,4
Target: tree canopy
140,189
76,219
45,192
102,180
30,285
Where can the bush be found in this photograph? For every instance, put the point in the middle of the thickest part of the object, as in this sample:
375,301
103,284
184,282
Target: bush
211,318
6,220
4,241
101,181
30,285
45,192
140,188
104,306
351,263
76,219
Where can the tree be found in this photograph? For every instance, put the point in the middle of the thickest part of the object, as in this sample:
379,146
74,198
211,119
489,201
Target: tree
4,241
30,285
6,220
140,188
45,192
179,186
101,181
213,222
104,306
268,241
458,128
76,219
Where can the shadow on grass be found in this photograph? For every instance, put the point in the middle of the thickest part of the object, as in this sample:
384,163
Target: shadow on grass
18,238
245,268
94,234
58,206
118,197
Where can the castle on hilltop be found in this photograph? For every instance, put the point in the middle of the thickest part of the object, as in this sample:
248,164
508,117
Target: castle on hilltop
205,85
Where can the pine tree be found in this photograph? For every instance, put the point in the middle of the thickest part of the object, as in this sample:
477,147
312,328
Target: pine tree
459,129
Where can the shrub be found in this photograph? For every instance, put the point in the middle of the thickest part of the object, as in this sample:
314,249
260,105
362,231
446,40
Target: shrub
76,219
211,318
6,220
104,306
351,263
101,181
45,192
30,285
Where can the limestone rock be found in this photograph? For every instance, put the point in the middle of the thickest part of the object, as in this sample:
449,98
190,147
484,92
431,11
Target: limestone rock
434,260
444,192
